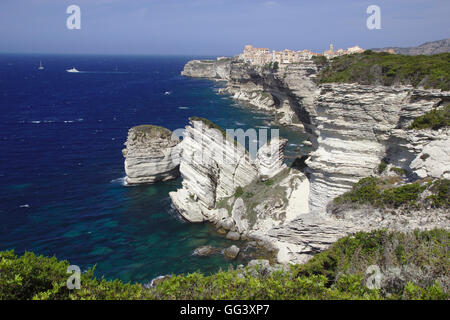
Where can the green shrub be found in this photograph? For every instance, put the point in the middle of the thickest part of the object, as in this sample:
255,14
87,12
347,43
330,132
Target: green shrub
208,123
399,171
364,191
238,192
403,195
382,166
435,119
275,65
352,255
440,197
337,273
321,61
37,277
379,193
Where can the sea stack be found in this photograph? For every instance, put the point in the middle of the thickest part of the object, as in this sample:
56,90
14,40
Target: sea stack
152,154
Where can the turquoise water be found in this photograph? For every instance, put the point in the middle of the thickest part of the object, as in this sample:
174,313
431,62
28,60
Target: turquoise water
61,174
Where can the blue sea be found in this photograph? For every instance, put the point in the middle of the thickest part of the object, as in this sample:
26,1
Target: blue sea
61,167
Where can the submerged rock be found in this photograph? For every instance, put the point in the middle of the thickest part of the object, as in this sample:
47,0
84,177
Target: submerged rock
205,251
231,252
152,154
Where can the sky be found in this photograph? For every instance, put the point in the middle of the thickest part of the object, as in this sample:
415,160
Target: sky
215,27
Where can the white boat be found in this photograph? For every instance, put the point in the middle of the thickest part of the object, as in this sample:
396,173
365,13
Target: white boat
40,66
73,70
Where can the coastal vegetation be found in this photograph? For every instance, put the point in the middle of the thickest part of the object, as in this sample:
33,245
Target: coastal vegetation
400,171
152,130
411,266
382,166
387,69
434,119
381,193
208,124
272,66
259,194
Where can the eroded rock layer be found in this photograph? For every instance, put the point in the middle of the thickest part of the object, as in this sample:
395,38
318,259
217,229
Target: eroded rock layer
352,128
152,154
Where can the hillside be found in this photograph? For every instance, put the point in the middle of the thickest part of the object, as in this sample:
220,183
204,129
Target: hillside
428,48
381,68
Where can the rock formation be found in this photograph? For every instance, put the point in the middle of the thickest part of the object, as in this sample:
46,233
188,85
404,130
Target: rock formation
217,69
351,127
270,158
357,126
152,154
214,169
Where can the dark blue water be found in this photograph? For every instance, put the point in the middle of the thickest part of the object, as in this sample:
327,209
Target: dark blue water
61,166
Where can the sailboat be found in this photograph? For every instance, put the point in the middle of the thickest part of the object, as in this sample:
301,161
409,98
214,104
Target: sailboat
40,66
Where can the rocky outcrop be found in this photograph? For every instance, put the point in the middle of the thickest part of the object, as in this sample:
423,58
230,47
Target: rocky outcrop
231,252
352,127
300,239
212,168
152,154
224,185
357,126
211,69
432,151
260,88
269,159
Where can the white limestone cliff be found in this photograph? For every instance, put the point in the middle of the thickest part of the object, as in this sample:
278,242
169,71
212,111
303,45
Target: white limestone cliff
152,154
357,126
213,168
352,127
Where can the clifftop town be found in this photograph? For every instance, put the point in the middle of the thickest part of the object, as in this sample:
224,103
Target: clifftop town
263,56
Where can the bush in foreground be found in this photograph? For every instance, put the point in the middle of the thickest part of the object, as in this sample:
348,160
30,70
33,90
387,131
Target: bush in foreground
337,273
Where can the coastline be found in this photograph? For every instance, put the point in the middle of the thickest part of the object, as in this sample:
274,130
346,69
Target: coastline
294,87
